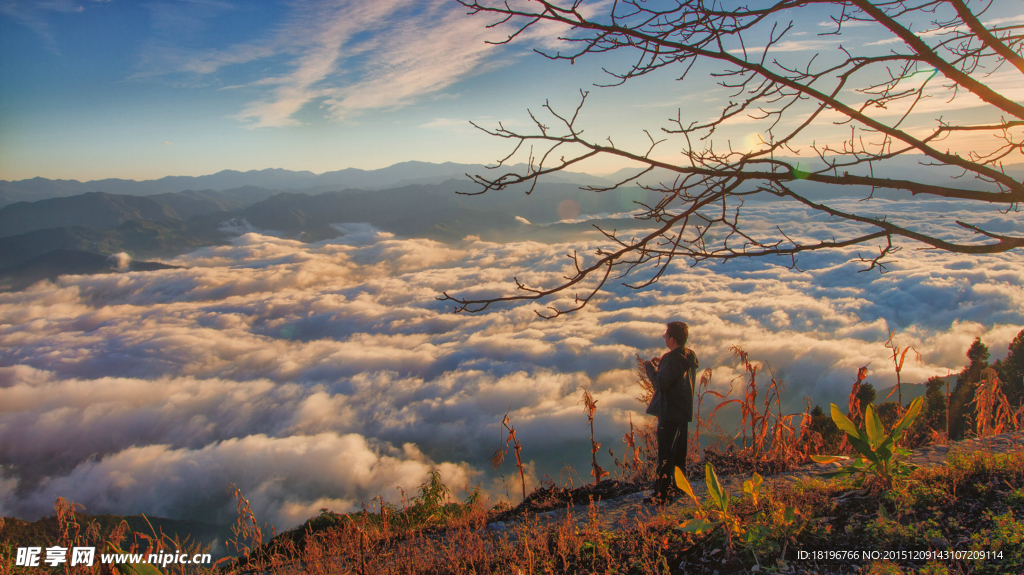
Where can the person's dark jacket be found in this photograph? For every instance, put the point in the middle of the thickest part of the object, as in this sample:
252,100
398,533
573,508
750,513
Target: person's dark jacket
674,377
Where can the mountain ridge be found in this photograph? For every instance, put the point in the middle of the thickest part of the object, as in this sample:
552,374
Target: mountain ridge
396,175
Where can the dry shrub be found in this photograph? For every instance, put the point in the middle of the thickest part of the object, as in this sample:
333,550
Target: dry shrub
992,409
783,438
589,408
646,449
897,362
645,385
632,468
937,437
702,424
855,410
499,456
810,441
773,443
748,405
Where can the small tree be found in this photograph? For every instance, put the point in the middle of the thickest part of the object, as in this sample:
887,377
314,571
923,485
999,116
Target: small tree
1011,370
866,394
967,381
931,51
934,415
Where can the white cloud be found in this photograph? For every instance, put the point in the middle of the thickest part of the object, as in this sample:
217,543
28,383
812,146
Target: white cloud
325,374
286,478
787,46
450,124
350,56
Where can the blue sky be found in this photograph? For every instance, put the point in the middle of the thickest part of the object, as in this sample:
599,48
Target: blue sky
110,88
147,89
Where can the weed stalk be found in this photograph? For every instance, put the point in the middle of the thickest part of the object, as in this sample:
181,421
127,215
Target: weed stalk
589,407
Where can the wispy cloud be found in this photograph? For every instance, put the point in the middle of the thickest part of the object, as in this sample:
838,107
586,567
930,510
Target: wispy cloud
788,46
1018,19
948,31
350,56
847,24
36,15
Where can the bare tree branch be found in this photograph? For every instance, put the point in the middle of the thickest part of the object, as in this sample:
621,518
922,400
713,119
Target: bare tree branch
702,212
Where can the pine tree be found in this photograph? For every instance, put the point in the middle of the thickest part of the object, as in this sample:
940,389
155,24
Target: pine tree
1011,371
934,414
866,395
966,383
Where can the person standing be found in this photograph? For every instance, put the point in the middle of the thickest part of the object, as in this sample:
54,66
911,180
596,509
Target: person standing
673,378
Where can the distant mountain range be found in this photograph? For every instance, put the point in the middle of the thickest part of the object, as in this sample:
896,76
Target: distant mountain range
263,183
76,234
86,222
241,183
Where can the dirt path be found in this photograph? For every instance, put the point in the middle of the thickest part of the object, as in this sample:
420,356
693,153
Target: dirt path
624,512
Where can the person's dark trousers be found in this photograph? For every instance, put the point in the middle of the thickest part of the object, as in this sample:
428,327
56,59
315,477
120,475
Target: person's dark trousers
673,437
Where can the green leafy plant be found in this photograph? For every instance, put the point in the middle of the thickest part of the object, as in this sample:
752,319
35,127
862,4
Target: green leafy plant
716,512
880,457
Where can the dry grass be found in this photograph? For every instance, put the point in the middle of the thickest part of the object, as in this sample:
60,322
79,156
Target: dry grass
993,414
74,529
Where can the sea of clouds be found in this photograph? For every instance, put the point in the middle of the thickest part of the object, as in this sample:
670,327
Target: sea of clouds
326,374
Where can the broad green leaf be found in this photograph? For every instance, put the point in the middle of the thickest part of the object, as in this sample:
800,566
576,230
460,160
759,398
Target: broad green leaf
883,453
860,464
789,515
873,425
752,487
887,444
828,458
715,488
908,417
698,526
864,449
882,511
684,484
844,423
